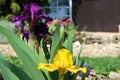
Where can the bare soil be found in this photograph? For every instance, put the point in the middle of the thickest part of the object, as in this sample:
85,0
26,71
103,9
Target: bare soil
89,50
108,47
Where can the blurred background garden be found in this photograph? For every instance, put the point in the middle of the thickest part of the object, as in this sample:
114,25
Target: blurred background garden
99,47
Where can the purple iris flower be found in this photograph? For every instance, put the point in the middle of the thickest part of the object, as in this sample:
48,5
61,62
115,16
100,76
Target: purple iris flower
35,10
31,11
33,16
19,24
26,13
44,16
40,31
25,35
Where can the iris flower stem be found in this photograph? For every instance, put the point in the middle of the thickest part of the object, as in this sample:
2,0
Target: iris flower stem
61,77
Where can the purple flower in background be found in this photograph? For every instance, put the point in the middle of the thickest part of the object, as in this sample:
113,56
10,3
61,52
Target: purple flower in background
26,13
35,10
31,13
33,16
19,25
44,16
40,31
32,21
25,35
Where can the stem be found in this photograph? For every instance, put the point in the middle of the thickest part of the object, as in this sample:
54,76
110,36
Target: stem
61,76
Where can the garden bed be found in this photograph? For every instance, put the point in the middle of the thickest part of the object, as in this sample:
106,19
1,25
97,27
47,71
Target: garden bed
94,49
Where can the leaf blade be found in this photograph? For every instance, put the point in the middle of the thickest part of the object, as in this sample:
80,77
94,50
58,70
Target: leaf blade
7,74
26,55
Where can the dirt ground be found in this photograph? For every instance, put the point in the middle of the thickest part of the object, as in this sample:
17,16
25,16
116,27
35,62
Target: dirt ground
108,47
98,50
89,50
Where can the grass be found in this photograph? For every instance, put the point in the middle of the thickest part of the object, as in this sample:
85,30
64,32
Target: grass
103,65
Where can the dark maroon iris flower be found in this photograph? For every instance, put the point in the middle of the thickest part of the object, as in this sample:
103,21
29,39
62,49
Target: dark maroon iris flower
25,35
40,30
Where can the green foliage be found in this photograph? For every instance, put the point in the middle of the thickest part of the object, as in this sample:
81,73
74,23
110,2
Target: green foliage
9,17
9,26
5,8
14,69
26,55
49,1
15,7
7,76
29,60
70,31
56,41
2,2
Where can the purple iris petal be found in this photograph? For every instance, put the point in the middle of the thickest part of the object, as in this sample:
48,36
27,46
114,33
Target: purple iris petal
44,16
19,24
26,13
25,35
35,10
18,20
40,30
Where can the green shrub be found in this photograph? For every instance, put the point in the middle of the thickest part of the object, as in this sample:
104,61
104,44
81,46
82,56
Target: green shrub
8,25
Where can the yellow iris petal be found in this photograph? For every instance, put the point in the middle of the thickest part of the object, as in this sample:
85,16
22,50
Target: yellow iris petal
63,58
49,67
75,69
84,70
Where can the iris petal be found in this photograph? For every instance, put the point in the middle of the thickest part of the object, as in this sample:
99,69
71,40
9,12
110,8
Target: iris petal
75,69
63,58
49,67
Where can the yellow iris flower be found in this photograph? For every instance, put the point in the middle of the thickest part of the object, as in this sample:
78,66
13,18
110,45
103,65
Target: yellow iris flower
62,62
119,71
